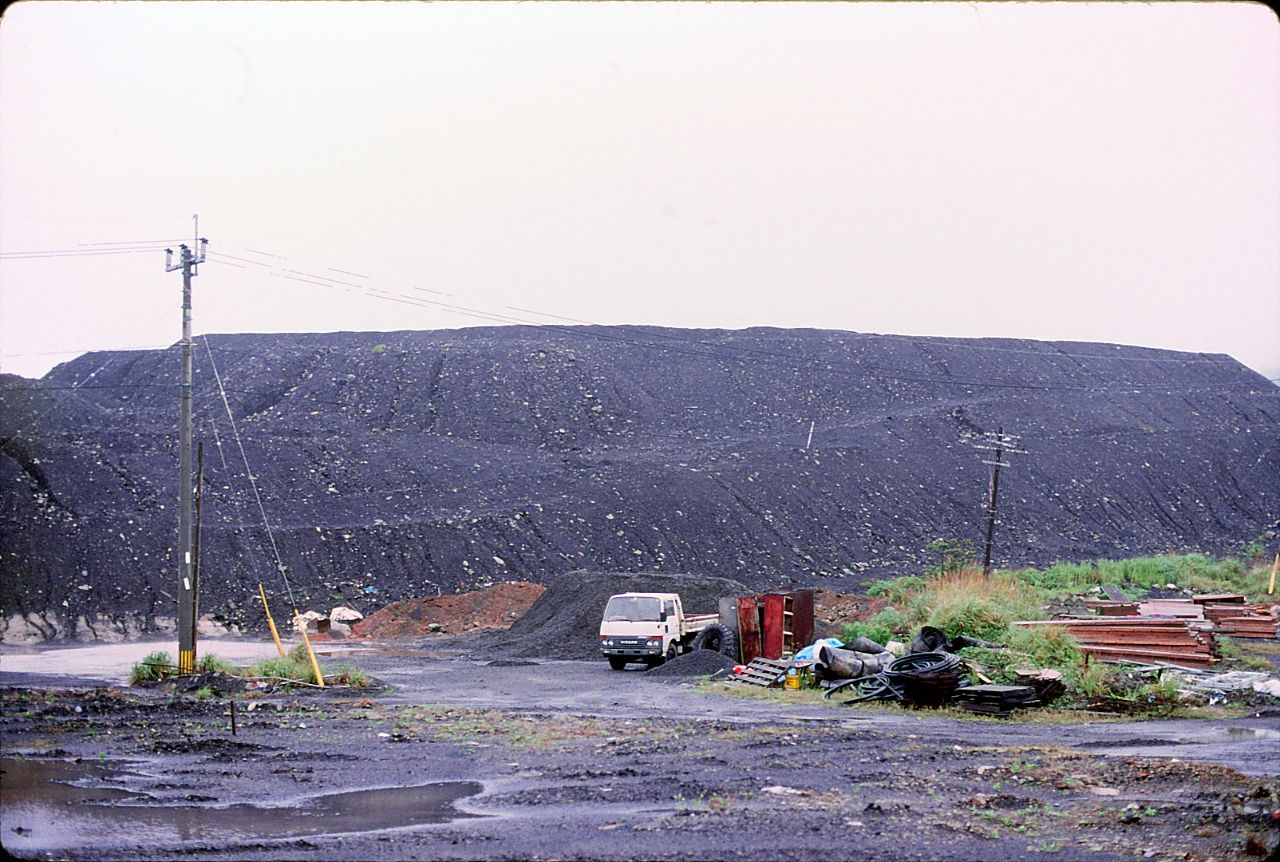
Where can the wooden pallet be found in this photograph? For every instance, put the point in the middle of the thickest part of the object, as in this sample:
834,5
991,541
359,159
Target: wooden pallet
764,672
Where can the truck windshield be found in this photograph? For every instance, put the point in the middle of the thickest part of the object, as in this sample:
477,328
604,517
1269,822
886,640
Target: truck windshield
632,609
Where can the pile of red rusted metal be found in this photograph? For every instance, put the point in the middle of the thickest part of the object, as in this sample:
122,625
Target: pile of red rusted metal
1143,639
1169,631
1230,615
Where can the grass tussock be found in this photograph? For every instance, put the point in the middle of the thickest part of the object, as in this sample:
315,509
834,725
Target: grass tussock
154,666
284,668
963,601
211,663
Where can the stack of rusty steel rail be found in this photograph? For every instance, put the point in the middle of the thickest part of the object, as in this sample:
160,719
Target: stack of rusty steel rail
1169,631
1185,642
1232,616
1228,612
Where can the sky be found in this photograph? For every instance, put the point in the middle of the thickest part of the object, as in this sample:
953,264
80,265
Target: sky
1071,171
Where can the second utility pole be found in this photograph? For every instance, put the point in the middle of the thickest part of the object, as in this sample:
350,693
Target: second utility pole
186,576
991,502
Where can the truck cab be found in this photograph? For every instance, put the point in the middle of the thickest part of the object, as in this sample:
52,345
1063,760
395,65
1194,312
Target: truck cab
647,627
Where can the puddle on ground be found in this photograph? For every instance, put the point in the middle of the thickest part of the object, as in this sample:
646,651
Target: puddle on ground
50,805
1243,734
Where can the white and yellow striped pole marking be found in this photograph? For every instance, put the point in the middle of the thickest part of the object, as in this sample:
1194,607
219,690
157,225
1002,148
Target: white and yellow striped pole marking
311,653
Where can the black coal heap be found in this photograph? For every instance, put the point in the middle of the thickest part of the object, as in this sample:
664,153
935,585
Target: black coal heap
396,464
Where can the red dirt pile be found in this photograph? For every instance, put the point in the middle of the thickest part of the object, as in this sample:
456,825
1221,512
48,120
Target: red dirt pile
832,611
495,607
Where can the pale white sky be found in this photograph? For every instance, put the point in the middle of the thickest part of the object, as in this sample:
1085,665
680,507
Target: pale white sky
1082,171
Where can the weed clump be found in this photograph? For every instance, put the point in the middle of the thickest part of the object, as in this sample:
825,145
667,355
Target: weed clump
285,668
154,666
211,663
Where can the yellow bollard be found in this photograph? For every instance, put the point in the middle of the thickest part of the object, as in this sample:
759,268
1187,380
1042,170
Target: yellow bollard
315,665
1271,588
270,622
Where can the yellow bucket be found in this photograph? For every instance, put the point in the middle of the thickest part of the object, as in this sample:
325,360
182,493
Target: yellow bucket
792,680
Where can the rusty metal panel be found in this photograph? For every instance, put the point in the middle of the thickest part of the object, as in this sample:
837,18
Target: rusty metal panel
748,629
773,625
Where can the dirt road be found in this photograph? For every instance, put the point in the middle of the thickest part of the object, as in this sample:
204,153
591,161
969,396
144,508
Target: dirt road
569,760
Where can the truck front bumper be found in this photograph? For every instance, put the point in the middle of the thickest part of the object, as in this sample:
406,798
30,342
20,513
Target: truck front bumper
630,647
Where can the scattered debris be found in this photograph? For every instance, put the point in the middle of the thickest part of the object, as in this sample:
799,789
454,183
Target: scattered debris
998,700
919,679
1047,683
931,639
834,663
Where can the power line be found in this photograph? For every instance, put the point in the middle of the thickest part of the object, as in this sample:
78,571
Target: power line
253,482
888,375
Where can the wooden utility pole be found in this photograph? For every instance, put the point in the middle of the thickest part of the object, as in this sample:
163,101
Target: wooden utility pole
992,497
1000,443
195,544
188,262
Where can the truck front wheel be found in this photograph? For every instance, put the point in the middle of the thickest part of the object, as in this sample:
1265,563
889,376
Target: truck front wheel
617,662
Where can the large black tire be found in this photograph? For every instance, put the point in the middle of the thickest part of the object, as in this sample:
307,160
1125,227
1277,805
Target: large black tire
617,662
717,638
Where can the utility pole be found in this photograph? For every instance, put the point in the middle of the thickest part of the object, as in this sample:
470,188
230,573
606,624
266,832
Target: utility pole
1000,443
188,263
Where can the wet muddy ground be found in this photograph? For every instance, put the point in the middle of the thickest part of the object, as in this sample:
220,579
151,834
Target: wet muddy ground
569,760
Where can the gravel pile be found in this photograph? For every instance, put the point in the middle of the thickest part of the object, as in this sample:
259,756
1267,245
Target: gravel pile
564,623
702,662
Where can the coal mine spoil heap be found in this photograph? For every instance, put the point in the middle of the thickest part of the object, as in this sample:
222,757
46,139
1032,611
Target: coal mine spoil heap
394,465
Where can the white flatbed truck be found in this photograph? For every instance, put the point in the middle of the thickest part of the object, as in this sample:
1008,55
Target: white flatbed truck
651,628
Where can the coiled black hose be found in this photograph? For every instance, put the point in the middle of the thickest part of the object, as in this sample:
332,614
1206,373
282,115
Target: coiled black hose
926,677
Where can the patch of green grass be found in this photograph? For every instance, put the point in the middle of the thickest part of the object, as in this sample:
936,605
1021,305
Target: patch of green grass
1197,572
883,627
203,693
283,668
895,590
154,666
1026,648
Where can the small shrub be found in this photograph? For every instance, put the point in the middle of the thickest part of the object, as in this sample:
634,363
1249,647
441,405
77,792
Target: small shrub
953,555
300,654
204,693
351,675
210,663
378,349
154,666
